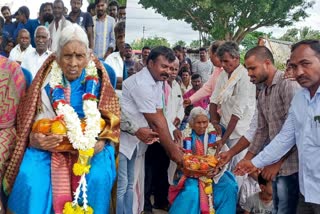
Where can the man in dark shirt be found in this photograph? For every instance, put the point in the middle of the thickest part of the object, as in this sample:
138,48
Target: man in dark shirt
83,19
8,27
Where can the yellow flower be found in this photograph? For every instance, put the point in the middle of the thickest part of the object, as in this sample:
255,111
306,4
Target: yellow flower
89,210
79,169
88,152
68,209
78,210
208,190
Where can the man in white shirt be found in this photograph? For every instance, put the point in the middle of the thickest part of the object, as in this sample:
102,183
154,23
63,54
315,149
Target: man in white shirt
34,60
301,128
57,24
22,48
115,60
142,100
236,95
156,157
204,66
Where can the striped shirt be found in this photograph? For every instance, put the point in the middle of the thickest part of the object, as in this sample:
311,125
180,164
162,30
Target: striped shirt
273,105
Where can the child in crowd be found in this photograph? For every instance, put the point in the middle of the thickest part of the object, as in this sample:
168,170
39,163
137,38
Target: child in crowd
260,202
249,187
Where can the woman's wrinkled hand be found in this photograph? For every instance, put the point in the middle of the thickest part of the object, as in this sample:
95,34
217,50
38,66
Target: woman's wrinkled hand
99,146
45,142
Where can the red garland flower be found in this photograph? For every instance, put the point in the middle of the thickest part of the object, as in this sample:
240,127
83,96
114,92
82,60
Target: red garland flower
89,96
92,78
56,103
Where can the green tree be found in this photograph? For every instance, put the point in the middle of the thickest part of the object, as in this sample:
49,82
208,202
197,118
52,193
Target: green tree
195,44
181,43
121,2
251,39
151,42
295,34
231,19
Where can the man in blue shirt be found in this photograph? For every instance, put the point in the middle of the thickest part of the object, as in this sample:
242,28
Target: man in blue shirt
301,128
9,26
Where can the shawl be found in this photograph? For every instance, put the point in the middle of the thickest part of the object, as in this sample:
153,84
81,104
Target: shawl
227,89
12,88
31,104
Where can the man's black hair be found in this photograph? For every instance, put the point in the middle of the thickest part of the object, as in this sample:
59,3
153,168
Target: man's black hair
166,52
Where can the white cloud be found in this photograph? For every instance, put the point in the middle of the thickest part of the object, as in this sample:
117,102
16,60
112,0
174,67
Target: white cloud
174,30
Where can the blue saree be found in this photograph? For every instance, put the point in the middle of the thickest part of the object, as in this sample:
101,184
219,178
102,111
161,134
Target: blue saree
32,190
225,193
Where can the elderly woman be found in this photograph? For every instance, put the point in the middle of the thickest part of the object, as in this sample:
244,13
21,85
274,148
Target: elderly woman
186,195
40,179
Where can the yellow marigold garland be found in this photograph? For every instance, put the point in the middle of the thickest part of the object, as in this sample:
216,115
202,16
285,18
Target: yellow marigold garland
69,209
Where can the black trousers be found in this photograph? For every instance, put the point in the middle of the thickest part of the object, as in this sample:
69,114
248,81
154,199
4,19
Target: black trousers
156,176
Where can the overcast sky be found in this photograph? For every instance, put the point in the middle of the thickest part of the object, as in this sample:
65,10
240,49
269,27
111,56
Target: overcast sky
174,30
157,25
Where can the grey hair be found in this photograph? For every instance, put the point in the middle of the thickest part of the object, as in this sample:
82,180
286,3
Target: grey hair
70,33
195,112
41,27
23,30
229,47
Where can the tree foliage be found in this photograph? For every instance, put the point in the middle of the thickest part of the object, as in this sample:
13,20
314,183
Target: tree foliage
295,34
195,44
181,43
151,42
251,39
231,19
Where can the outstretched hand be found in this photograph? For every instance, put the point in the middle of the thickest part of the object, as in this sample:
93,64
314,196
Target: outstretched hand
244,167
175,153
147,135
224,158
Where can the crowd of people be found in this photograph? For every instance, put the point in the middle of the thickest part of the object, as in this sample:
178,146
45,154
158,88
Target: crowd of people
262,124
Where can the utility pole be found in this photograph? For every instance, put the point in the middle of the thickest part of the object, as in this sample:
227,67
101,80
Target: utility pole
143,30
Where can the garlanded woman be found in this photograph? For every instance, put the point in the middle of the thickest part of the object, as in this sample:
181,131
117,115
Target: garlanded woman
72,86
202,195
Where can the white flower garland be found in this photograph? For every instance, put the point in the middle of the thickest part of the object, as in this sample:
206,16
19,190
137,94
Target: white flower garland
188,131
78,140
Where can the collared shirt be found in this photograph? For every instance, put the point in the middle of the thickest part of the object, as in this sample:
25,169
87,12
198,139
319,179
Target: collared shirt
184,88
242,102
55,32
204,69
140,94
104,37
301,128
175,103
116,62
33,61
273,106
17,55
207,88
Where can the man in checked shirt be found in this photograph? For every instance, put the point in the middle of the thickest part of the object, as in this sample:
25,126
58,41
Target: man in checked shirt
273,104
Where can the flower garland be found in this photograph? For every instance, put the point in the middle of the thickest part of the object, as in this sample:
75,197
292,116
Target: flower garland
83,142
208,189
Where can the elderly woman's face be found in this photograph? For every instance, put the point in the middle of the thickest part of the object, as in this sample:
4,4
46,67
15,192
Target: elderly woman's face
200,124
73,59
